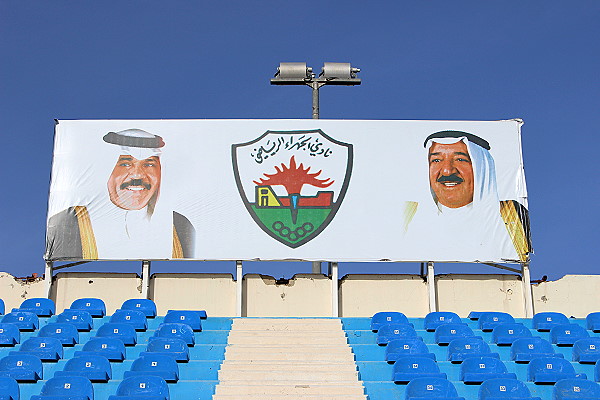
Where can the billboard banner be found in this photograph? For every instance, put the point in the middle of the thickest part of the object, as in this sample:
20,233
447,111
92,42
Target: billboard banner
314,190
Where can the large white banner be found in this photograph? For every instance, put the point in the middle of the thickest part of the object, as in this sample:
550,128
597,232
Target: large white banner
288,190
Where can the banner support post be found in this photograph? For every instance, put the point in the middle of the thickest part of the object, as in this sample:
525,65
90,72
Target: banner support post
335,303
48,278
527,292
239,276
145,278
431,286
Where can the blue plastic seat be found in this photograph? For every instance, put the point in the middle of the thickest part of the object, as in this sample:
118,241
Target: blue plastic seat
141,387
479,369
409,368
587,350
44,348
505,389
568,334
181,331
40,306
489,320
22,367
1,307
9,389
597,371
551,370
111,348
173,347
474,315
593,321
66,333
526,349
9,334
446,333
546,320
431,388
387,317
93,367
582,389
155,364
94,306
81,319
463,348
124,332
145,305
66,388
389,332
406,347
135,318
25,321
506,334
437,318
191,318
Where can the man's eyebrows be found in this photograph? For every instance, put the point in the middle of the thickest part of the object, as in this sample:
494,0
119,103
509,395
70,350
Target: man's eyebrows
460,153
127,158
434,154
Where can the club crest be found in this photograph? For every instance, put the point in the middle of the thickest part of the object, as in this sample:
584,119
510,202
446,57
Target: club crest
292,182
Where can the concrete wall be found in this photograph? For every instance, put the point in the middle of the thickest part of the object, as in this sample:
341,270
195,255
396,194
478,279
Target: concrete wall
14,291
573,295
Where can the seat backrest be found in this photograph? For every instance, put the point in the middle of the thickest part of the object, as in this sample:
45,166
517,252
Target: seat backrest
124,332
406,346
396,331
105,344
94,306
546,320
445,333
9,388
155,362
437,318
81,319
531,346
567,333
66,333
430,388
167,345
575,389
593,321
387,317
2,307
136,318
587,346
499,388
149,386
147,306
416,365
9,333
20,362
40,306
474,345
68,386
181,331
508,333
548,365
89,363
489,320
481,365
191,318
42,345
24,320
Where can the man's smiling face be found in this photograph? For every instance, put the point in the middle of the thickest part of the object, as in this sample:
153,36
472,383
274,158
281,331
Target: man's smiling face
134,182
451,174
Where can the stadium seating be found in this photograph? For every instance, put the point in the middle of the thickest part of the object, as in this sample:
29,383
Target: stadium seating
41,307
506,334
145,305
435,319
9,389
551,370
44,348
409,368
142,387
156,365
66,333
460,349
526,349
82,320
25,321
597,371
547,320
191,318
173,347
66,388
93,367
135,318
124,332
1,307
22,367
567,389
431,388
587,350
389,332
489,320
9,334
406,347
568,334
387,317
593,321
479,369
504,389
173,330
474,315
111,348
446,333
95,307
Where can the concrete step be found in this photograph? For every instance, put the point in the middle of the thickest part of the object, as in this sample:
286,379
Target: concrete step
286,366
290,388
287,375
290,397
287,340
291,357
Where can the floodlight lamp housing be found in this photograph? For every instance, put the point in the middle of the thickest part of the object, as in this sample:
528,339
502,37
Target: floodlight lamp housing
292,73
339,74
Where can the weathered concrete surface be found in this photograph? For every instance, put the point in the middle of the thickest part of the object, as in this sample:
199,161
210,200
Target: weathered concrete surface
572,295
14,291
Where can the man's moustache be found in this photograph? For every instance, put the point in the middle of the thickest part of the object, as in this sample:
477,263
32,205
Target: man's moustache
450,178
135,182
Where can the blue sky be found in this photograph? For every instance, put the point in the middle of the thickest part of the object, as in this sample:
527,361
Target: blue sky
470,60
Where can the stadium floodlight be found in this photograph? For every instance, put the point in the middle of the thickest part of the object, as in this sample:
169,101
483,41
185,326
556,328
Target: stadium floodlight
332,73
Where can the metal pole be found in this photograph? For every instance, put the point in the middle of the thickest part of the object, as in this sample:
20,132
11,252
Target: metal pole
315,100
431,286
145,278
48,278
239,276
527,291
335,303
